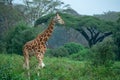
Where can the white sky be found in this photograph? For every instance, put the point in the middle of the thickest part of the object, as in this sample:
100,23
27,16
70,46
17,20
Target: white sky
90,7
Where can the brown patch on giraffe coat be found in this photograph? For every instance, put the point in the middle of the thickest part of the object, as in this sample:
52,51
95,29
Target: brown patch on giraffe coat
50,31
49,34
47,31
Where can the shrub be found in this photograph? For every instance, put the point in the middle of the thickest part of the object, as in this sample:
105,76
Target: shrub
81,55
11,67
66,50
103,53
73,47
18,36
59,52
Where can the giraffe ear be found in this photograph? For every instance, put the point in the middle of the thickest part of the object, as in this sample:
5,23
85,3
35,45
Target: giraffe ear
57,13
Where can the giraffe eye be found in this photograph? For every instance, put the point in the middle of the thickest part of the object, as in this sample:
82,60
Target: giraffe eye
58,19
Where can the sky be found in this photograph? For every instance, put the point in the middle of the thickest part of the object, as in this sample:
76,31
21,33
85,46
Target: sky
91,7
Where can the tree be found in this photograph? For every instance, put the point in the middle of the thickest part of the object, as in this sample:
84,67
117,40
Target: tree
8,17
109,16
103,53
16,37
6,2
93,29
116,36
37,8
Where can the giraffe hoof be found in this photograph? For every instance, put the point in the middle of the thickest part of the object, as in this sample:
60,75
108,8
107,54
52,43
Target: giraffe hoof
43,65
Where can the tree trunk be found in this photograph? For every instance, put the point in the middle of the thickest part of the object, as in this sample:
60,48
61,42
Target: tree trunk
93,36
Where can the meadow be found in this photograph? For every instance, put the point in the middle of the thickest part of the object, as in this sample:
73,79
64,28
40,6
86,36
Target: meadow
60,68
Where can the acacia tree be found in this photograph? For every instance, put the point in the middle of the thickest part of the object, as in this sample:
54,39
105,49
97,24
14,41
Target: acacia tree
93,29
37,8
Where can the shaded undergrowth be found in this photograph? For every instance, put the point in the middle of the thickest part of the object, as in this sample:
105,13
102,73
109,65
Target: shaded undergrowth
56,69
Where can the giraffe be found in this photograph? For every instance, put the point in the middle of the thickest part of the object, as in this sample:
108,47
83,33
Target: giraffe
37,46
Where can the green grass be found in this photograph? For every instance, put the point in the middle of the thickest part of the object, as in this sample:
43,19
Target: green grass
56,69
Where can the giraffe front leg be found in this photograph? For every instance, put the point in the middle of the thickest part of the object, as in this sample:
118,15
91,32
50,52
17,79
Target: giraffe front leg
40,61
43,65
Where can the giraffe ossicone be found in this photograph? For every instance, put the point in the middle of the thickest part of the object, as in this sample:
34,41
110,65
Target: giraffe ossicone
37,46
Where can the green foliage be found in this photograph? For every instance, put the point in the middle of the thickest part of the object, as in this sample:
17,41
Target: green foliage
56,69
58,52
116,37
9,16
103,53
70,20
81,55
66,50
78,21
109,16
44,19
17,37
73,47
95,23
41,8
11,67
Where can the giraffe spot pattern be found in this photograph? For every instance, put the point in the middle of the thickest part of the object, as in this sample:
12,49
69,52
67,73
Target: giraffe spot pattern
38,44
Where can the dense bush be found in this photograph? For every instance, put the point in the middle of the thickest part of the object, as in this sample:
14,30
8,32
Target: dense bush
58,52
56,69
18,36
73,47
81,55
69,49
103,53
11,67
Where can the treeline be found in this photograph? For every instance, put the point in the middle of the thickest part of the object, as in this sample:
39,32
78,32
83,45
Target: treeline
16,37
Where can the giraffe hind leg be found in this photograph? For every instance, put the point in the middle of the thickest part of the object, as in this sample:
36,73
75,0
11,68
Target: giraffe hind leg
26,60
26,64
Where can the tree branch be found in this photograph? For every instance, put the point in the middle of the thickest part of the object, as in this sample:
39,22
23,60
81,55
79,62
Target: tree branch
103,36
82,31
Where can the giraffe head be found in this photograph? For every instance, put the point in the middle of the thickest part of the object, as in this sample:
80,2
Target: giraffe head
58,19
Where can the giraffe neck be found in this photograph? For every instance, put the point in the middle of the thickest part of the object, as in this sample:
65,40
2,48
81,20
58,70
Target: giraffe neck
47,33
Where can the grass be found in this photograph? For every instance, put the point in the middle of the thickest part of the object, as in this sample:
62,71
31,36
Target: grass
56,69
